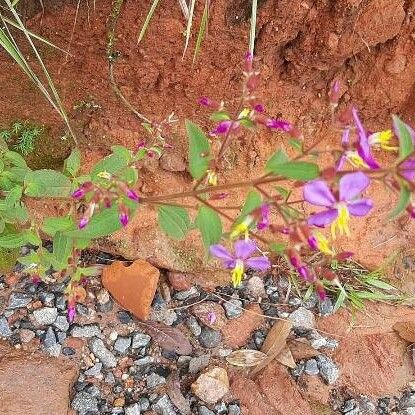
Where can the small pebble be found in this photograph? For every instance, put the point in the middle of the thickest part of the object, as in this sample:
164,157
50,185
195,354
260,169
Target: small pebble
133,409
328,369
234,409
122,344
124,317
84,403
203,410
4,328
18,300
233,308
102,353
86,331
61,323
94,370
154,380
194,326
140,340
302,318
184,295
198,363
163,406
311,367
210,338
68,351
326,307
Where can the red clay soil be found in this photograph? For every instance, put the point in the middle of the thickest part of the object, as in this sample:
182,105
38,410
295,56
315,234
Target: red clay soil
302,45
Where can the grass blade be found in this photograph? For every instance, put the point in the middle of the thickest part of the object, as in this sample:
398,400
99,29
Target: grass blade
189,25
253,27
147,21
202,30
185,9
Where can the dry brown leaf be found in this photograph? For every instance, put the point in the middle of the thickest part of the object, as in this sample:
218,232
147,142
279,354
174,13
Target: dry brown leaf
246,357
286,358
274,343
169,338
301,349
406,330
176,396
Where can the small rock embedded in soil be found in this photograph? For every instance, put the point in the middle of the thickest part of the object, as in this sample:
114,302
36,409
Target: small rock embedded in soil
210,338
61,323
50,344
234,409
233,308
45,316
18,300
84,403
164,406
302,318
140,340
198,363
203,410
86,331
154,380
211,386
133,409
94,370
122,344
328,369
4,328
326,307
102,353
194,326
311,367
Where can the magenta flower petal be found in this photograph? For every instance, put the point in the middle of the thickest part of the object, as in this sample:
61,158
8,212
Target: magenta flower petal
219,251
407,169
351,185
259,263
346,136
360,207
223,128
277,124
244,249
324,218
318,193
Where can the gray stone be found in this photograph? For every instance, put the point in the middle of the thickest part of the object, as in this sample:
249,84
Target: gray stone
210,338
233,308
47,298
198,363
194,326
298,369
328,369
311,367
140,340
294,301
221,408
326,307
144,404
311,302
407,401
203,410
45,316
145,361
331,344
133,409
18,300
50,344
302,318
122,344
86,331
4,328
164,315
184,295
98,348
61,336
94,370
163,406
84,403
109,378
61,323
408,411
60,302
154,380
234,409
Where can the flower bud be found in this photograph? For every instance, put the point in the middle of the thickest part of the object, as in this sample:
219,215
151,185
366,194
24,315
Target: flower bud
131,194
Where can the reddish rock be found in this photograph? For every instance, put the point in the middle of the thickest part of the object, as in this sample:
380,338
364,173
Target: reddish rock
31,383
211,314
237,331
273,392
179,281
133,287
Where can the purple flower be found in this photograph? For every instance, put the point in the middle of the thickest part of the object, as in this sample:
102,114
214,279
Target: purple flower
407,169
132,195
83,222
338,209
71,313
363,147
124,218
241,259
225,127
259,108
276,124
264,217
78,193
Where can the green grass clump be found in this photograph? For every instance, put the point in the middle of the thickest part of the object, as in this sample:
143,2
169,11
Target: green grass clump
22,135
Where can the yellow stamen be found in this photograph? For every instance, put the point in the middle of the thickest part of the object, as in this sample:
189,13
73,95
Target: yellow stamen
342,222
355,160
323,244
382,139
104,175
212,178
244,113
242,228
237,273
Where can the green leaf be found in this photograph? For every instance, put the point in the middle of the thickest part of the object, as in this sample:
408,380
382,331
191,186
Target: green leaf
295,170
73,162
403,202
246,122
62,248
13,196
340,299
220,116
276,159
15,158
174,220
375,282
209,224
296,144
113,164
16,174
285,193
47,183
129,175
199,150
32,238
253,200
279,248
52,225
405,135
102,224
12,240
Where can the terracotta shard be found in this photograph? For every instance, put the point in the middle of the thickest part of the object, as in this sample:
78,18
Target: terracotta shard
132,287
